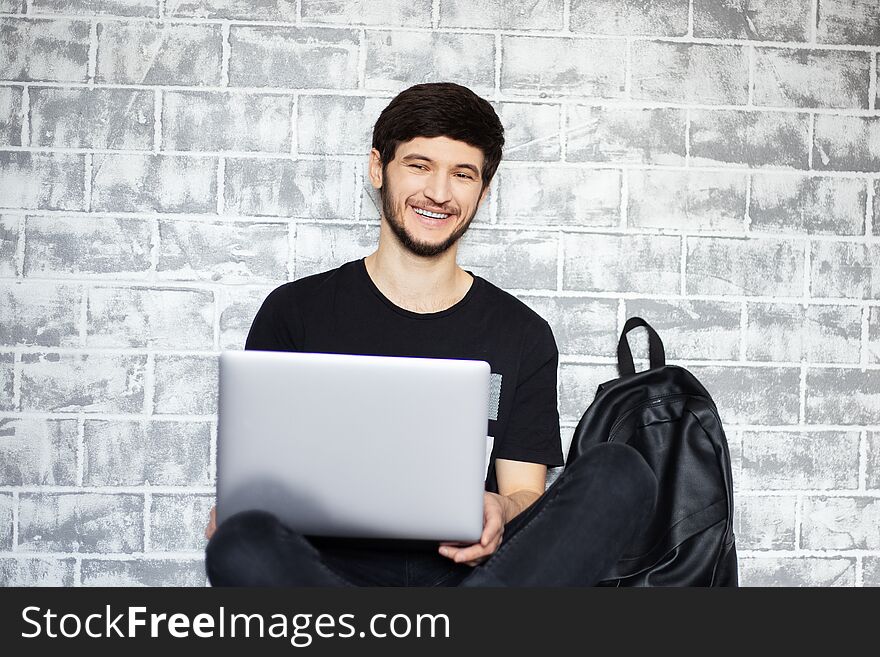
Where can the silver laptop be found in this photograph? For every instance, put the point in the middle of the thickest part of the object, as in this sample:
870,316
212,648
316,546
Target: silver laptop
355,446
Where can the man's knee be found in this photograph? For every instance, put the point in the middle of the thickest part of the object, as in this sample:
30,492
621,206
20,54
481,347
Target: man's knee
239,538
620,468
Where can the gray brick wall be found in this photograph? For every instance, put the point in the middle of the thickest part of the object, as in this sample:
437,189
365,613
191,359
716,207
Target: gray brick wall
712,166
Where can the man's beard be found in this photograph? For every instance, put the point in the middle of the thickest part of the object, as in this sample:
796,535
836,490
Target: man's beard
423,249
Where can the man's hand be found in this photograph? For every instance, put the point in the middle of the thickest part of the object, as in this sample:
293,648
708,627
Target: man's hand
212,523
493,529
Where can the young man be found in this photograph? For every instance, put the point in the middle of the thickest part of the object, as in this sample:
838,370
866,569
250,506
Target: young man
435,150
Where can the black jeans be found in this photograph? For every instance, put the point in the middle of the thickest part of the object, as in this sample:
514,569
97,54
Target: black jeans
571,536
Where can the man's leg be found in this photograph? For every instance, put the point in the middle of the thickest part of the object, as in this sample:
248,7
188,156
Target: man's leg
580,527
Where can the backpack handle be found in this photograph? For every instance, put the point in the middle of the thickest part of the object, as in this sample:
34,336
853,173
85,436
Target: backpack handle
656,353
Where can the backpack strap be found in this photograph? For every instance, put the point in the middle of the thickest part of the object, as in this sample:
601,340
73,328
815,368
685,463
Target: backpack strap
657,354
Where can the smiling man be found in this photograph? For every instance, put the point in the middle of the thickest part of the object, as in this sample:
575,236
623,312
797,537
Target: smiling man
435,150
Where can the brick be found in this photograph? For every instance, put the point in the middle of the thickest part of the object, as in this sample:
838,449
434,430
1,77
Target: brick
227,252
9,237
753,395
160,183
854,22
586,327
91,383
91,118
298,58
498,14
154,53
154,453
773,460
177,522
270,10
529,261
602,134
37,452
559,195
689,329
80,522
36,572
750,138
38,49
871,571
720,265
429,57
811,78
143,572
161,318
563,67
873,460
843,396
6,519
402,13
797,571
808,204
840,523
845,269
686,200
146,8
203,121
322,247
313,189
531,131
757,20
765,523
238,307
846,143
87,246
663,18
331,125
692,73
622,263
791,332
10,116
42,314
47,181
6,382
577,387
13,6
185,385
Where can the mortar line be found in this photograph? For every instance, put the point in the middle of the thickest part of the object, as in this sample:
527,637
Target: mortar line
859,575
362,58
687,138
212,455
683,266
750,97
807,265
216,317
864,337
16,514
16,380
872,82
798,515
19,248
621,315
743,328
814,20
560,258
811,136
563,132
88,161
77,571
155,243
863,461
226,53
92,70
294,136
802,389
566,15
291,250
435,14
690,24
747,216
158,102
221,184
84,318
497,80
298,18
25,136
148,507
149,384
80,449
627,69
869,207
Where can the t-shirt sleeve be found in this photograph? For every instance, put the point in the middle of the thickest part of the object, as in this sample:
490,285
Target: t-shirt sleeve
533,429
276,324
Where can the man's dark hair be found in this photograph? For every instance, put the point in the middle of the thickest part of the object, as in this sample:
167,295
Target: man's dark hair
440,109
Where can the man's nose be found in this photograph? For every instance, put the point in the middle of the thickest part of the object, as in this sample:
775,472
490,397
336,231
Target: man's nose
438,189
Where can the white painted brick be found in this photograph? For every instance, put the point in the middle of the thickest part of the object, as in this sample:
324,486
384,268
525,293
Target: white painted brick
843,396
403,13
871,571
154,318
6,519
36,572
467,59
603,134
48,181
156,453
688,329
238,307
498,14
39,314
323,247
227,252
39,49
202,121
10,116
849,21
82,382
847,143
270,10
752,395
186,385
531,131
80,522
797,571
687,200
321,189
37,452
790,332
577,387
586,327
558,66
845,269
9,236
147,8
330,125
558,195
143,572
765,523
13,6
760,20
774,460
840,523
509,259
630,17
622,263
744,266
87,246
177,522
6,382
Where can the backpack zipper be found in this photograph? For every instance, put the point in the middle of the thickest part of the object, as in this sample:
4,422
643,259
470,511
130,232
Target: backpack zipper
651,402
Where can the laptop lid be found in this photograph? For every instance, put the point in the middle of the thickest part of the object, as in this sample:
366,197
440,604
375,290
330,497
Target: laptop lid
357,446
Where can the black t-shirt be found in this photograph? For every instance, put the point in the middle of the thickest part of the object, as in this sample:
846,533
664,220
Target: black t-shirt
342,311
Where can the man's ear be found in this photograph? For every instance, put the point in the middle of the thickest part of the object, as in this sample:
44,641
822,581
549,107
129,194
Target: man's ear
375,169
484,194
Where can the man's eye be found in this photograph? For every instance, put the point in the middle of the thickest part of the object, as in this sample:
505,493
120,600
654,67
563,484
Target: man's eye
466,176
420,167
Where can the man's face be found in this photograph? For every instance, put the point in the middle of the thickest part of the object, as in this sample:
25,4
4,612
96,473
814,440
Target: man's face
430,192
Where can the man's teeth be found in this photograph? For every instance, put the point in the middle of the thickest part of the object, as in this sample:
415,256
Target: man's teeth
432,215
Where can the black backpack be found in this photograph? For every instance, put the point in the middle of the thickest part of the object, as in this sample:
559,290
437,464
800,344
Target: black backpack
667,415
